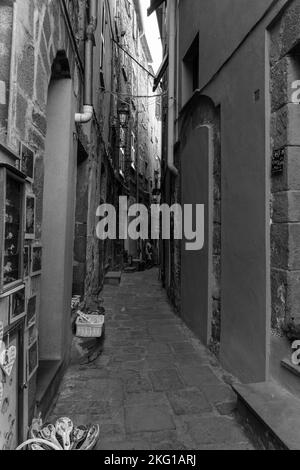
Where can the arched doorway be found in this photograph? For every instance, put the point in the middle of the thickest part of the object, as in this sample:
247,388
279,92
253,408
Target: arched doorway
201,184
57,228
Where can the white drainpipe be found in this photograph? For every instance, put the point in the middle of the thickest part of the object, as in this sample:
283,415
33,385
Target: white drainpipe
88,109
86,116
171,104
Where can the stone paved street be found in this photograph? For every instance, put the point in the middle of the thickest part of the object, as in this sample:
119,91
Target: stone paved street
155,387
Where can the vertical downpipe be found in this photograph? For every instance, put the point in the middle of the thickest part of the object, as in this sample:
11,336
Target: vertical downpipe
171,104
88,109
171,99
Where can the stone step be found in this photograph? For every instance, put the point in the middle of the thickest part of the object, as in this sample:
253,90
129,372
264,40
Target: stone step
139,264
271,414
113,278
49,376
130,269
288,365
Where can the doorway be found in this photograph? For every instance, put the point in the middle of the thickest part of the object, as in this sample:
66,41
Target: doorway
57,229
80,242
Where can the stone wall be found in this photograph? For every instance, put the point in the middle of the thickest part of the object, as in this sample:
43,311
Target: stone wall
217,236
45,48
6,21
285,136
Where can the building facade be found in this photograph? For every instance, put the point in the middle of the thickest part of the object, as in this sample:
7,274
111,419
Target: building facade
43,154
230,142
137,135
67,67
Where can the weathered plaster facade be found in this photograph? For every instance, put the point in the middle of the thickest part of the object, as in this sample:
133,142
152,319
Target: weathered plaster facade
76,167
285,69
252,271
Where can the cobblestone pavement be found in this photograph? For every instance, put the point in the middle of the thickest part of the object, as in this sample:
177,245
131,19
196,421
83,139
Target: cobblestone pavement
155,387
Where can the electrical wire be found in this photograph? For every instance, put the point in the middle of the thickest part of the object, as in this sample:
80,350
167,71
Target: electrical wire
119,45
126,95
122,96
110,19
134,60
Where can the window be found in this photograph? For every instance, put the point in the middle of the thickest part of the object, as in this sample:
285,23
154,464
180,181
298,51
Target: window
122,161
156,179
133,151
122,151
158,108
128,8
122,138
102,46
87,10
134,81
134,32
125,61
190,71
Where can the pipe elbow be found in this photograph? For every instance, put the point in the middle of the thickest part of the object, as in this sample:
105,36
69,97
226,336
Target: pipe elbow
172,168
86,116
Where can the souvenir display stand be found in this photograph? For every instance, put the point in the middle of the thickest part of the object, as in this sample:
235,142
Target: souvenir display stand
12,190
63,435
11,389
12,305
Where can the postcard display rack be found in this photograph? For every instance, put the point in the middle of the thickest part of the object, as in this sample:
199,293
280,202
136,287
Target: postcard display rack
12,303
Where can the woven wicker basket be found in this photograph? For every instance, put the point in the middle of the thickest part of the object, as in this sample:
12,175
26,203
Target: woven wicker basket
92,329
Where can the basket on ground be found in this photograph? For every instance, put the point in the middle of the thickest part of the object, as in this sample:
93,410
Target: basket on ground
90,326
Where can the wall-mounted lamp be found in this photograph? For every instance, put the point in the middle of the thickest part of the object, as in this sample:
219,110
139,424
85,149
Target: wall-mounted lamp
123,116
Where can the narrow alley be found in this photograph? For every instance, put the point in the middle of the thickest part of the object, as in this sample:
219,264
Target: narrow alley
149,225
154,386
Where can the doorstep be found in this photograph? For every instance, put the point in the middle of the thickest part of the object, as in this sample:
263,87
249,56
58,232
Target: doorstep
271,414
113,278
49,377
130,269
288,365
140,265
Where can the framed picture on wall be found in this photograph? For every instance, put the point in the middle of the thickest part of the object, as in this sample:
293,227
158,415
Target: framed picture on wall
36,260
32,335
27,162
12,190
17,305
30,217
26,262
4,311
31,311
32,359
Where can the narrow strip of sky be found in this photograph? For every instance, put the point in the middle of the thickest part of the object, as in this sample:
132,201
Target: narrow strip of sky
153,34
